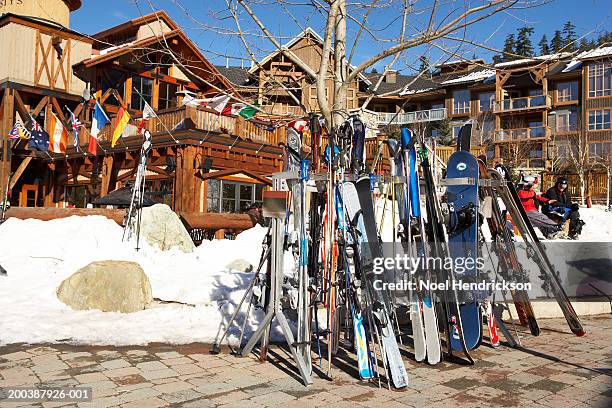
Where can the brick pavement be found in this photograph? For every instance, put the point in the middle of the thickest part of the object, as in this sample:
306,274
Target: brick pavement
555,370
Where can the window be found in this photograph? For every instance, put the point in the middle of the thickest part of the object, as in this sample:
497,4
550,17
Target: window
599,119
231,196
461,101
567,91
167,95
599,150
599,80
214,194
567,121
144,86
435,133
486,101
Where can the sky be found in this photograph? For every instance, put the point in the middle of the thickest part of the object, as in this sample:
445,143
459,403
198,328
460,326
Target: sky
206,22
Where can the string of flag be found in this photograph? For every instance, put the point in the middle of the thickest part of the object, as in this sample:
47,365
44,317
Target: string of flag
55,138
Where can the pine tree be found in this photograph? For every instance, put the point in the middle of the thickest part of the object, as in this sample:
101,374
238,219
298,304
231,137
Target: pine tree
424,67
374,71
604,37
445,132
543,44
557,42
508,49
497,59
584,45
523,44
569,36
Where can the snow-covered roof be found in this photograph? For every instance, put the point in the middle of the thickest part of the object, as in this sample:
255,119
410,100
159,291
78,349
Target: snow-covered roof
524,61
481,75
115,47
595,53
572,66
415,91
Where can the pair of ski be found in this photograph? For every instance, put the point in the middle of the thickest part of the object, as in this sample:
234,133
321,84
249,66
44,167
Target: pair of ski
423,317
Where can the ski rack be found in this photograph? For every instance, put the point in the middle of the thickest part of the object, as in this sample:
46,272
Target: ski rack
276,291
469,180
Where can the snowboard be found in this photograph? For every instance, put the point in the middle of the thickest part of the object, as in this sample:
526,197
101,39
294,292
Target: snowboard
462,192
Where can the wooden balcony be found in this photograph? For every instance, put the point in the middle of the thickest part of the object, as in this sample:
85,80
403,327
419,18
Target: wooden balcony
523,104
283,110
405,118
169,121
509,135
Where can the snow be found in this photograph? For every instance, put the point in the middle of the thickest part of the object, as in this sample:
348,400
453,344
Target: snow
598,224
415,91
39,255
485,74
595,53
522,61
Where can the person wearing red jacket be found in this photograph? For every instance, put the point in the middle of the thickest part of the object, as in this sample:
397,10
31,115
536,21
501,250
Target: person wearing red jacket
528,197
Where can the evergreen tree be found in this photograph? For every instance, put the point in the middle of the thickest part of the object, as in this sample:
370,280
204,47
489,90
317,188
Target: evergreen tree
604,37
523,46
374,71
584,45
556,43
569,36
497,59
424,67
543,44
445,132
508,49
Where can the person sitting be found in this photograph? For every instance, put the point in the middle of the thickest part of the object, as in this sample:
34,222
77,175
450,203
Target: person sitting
563,209
528,197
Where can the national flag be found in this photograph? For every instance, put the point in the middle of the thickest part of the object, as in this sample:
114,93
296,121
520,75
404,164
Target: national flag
76,126
120,122
233,109
18,131
99,120
217,103
248,112
39,139
299,125
57,135
147,113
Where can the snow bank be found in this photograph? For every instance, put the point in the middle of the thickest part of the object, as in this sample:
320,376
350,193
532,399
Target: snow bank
38,255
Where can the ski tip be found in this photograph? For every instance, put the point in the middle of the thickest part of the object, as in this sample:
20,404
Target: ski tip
579,333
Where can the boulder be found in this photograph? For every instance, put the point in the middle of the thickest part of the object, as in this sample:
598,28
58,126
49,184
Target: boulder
109,286
239,265
162,228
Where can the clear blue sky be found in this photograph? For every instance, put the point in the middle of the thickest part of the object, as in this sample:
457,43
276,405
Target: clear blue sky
97,15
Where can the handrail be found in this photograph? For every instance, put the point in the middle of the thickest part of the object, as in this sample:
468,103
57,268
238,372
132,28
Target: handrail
533,132
402,118
525,102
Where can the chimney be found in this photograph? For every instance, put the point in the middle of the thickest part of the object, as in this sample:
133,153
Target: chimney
391,76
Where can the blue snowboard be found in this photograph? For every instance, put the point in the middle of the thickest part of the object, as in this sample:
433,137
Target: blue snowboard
462,178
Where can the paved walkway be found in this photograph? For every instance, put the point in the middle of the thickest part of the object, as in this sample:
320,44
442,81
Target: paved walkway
555,370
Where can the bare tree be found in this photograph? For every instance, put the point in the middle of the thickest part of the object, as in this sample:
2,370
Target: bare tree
443,20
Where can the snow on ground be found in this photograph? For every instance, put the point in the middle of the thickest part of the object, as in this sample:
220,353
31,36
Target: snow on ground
39,255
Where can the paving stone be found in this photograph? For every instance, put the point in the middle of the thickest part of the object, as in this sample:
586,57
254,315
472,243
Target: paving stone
19,355
231,396
174,386
187,369
146,403
50,366
273,398
151,366
181,396
90,377
169,355
152,375
139,394
129,380
121,372
114,364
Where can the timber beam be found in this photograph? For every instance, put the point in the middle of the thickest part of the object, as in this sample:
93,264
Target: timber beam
214,221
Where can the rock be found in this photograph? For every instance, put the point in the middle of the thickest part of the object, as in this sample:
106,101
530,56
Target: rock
162,228
109,286
239,265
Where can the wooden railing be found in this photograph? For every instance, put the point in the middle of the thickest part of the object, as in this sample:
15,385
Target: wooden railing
445,152
283,110
204,120
524,103
404,118
535,132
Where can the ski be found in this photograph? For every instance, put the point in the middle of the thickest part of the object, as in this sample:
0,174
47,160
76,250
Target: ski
506,251
514,206
358,203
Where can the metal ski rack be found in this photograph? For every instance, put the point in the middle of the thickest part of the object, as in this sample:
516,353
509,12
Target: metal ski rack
276,281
